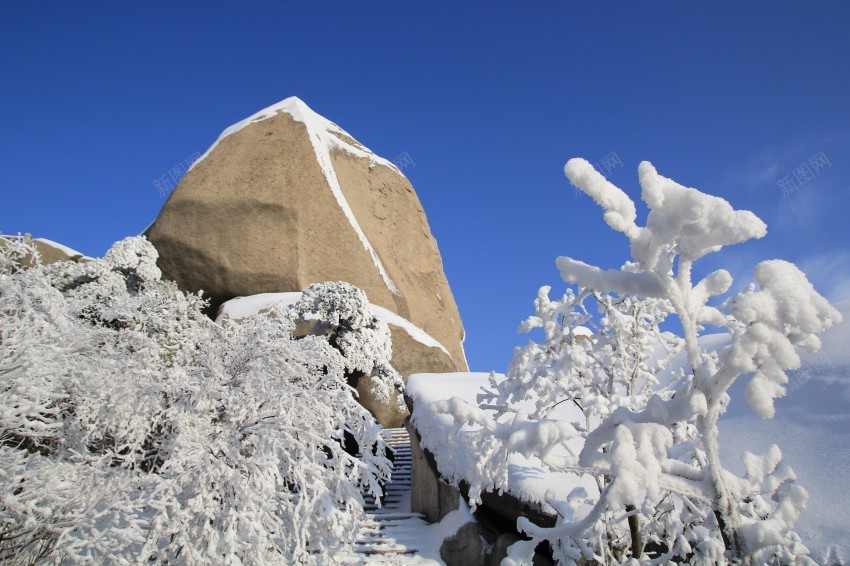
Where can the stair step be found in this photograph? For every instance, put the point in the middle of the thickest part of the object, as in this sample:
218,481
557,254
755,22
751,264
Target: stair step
374,551
385,516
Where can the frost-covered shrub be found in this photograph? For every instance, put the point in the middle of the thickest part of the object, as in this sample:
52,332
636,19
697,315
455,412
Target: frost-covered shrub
596,360
341,314
132,428
655,444
16,252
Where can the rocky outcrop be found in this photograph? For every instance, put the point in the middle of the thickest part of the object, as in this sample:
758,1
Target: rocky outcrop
430,495
285,199
494,528
51,252
48,250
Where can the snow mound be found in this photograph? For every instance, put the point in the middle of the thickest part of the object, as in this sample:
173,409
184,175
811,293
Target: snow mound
243,307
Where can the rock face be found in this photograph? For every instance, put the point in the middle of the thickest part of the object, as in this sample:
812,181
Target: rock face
285,199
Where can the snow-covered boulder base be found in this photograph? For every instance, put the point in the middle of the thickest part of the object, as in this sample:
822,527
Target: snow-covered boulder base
412,347
812,423
528,480
285,199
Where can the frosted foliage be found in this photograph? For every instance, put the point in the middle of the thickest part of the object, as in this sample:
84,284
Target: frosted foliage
336,303
771,323
648,434
599,360
135,258
341,314
134,429
16,251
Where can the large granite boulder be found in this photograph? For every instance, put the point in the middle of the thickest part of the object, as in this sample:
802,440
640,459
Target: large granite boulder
285,199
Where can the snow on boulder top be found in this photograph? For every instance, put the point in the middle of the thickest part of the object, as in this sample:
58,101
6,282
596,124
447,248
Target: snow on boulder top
325,136
62,248
328,132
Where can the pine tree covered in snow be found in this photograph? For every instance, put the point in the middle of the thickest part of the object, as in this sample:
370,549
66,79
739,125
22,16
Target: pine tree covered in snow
655,445
342,316
134,428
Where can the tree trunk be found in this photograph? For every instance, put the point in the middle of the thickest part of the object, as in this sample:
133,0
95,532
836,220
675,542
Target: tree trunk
725,507
634,531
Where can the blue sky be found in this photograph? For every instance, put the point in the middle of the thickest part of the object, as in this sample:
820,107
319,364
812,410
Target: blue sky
489,100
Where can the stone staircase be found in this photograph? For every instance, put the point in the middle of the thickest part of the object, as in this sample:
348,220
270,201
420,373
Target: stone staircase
391,532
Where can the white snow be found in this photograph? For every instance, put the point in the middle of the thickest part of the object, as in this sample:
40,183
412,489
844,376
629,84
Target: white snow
243,307
578,272
698,223
811,427
620,210
325,137
64,249
431,538
415,332
528,479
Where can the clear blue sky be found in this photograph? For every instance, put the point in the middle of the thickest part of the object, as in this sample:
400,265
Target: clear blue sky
99,99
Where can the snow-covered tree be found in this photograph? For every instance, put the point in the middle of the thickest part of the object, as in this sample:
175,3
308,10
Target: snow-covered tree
340,313
134,428
595,362
659,453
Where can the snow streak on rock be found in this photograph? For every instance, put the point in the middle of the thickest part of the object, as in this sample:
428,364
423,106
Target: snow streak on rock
325,136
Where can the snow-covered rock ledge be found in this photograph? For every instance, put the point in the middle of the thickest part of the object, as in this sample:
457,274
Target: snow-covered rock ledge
440,472
528,480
